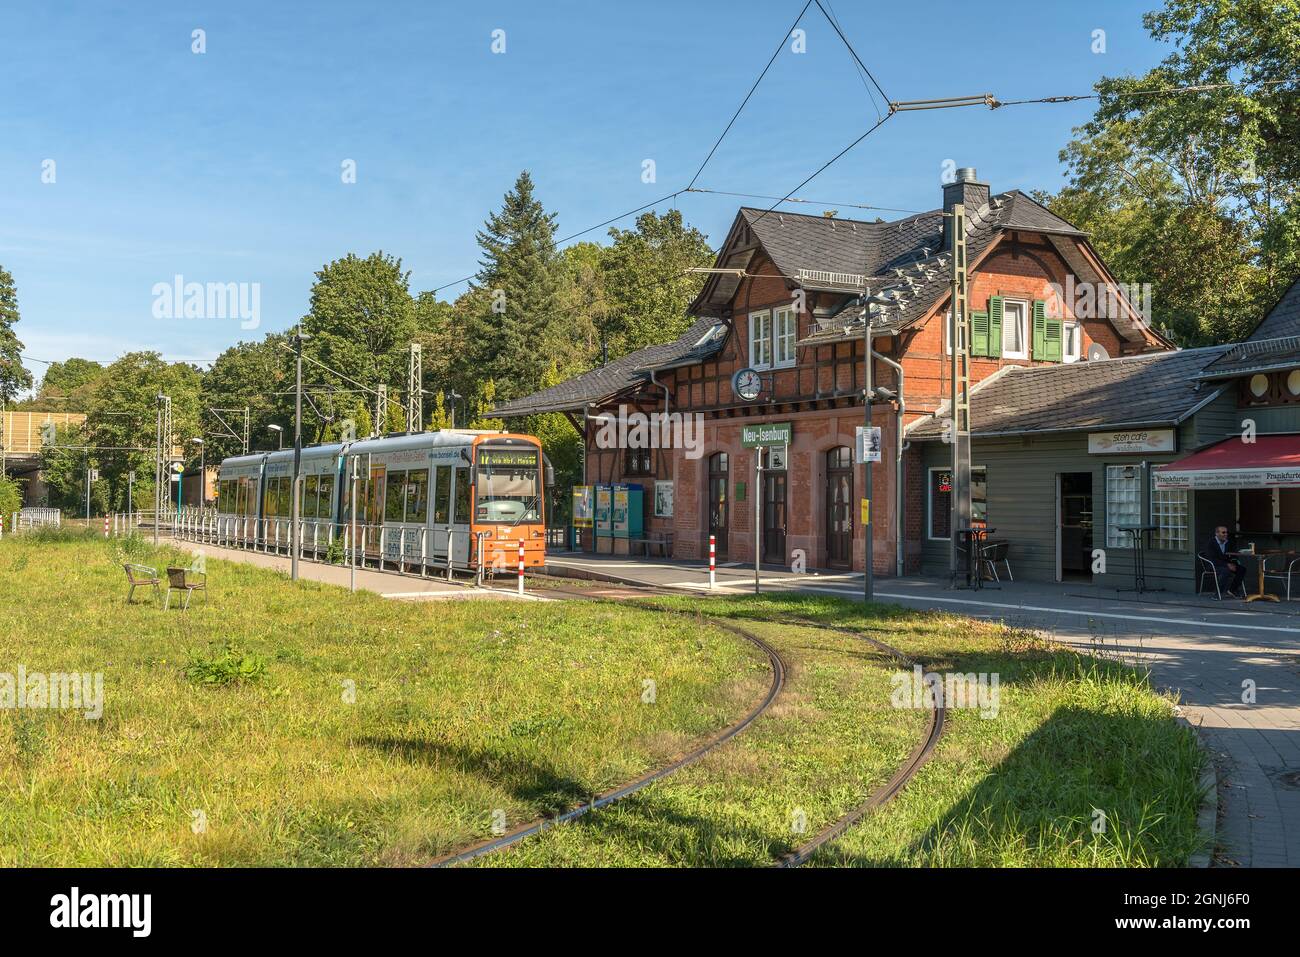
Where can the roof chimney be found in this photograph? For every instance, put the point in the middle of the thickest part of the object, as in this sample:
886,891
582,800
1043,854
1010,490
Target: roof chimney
967,190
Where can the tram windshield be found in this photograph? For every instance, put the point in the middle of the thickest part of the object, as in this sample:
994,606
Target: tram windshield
509,486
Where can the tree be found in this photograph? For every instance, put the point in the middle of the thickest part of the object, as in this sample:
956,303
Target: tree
14,377
513,301
69,384
646,283
361,323
1196,193
250,374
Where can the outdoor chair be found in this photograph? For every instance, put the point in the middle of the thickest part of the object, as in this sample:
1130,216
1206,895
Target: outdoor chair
1292,566
141,576
993,553
1207,568
184,580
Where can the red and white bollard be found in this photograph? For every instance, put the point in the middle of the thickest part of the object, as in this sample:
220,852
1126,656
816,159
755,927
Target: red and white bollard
106,526
713,558
521,566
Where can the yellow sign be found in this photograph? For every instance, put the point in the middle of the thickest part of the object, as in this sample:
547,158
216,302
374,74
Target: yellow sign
866,511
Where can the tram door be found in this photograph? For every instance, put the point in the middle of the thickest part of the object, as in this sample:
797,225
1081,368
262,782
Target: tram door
373,504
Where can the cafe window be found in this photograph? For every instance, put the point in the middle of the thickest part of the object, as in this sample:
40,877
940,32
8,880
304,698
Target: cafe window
1289,502
1255,511
1169,516
940,501
1123,503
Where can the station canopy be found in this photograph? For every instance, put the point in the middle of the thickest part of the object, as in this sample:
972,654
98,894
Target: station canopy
1270,461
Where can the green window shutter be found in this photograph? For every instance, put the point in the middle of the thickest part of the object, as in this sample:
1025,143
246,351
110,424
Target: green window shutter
1053,333
1040,330
995,326
979,333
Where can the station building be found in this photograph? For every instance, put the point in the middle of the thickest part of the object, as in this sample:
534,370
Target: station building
1081,412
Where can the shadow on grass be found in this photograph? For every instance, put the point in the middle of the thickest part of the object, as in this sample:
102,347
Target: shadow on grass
1087,787
533,782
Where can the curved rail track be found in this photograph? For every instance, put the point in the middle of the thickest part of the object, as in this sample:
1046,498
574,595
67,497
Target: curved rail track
616,592
777,665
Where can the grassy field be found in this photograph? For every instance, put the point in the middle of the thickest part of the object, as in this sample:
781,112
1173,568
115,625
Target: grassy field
1073,736
463,709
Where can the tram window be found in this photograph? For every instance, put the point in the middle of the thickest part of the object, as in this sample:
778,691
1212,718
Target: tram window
442,495
417,495
394,506
509,486
309,496
325,496
461,515
269,503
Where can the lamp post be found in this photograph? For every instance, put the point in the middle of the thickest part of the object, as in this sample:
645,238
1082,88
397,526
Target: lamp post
279,432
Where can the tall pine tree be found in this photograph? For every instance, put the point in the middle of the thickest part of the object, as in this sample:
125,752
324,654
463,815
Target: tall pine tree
515,296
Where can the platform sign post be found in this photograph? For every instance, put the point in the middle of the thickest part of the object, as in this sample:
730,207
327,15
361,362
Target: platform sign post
758,513
521,566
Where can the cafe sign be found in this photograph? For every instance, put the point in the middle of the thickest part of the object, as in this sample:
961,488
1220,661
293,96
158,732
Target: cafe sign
766,435
1227,478
1133,441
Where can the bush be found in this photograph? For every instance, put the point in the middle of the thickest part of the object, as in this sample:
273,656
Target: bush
228,665
11,497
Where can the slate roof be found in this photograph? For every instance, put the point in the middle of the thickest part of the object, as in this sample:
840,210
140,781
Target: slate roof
1275,343
703,339
905,262
1158,388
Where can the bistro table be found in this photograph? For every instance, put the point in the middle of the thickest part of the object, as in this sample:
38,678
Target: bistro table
976,539
1138,534
1261,562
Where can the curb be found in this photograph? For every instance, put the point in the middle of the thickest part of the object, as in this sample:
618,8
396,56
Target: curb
1207,817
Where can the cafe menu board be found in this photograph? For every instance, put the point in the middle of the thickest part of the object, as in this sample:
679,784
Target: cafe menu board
583,506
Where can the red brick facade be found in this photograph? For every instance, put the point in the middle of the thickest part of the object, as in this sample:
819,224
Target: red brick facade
820,394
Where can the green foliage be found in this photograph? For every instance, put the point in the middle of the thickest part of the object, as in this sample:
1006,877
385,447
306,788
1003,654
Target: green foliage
11,497
226,664
646,283
250,374
14,378
1197,193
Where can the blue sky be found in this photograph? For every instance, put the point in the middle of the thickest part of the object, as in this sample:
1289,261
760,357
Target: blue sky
226,166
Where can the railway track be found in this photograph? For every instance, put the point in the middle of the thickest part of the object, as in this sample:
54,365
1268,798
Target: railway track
622,593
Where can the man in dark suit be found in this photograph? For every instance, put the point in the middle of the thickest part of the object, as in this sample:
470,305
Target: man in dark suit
1228,570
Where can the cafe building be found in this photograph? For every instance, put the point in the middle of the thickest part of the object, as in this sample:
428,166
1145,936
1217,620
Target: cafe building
1085,420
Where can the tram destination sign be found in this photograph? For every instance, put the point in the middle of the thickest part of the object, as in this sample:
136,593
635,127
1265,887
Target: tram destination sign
766,435
507,458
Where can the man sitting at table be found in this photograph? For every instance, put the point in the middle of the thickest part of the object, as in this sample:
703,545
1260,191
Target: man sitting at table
1227,569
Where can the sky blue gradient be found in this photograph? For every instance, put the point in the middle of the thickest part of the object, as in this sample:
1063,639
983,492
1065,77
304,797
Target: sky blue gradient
225,166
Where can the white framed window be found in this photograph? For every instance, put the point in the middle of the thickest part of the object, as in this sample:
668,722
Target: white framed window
1169,516
760,339
1123,503
1072,344
1015,329
785,325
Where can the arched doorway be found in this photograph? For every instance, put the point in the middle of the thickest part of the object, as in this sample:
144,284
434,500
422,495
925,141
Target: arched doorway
839,507
718,501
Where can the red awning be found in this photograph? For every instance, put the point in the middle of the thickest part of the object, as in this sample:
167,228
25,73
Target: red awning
1270,461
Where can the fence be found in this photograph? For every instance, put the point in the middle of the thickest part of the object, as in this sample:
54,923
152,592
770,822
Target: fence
29,518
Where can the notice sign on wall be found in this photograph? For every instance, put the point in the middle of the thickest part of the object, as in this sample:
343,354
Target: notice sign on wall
583,506
663,499
1134,441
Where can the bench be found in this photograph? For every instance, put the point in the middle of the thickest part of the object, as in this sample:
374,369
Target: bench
664,542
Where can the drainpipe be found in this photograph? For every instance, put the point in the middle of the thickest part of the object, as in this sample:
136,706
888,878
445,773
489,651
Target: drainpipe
667,410
899,496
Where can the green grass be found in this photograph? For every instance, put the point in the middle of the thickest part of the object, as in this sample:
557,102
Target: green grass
461,709
464,708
